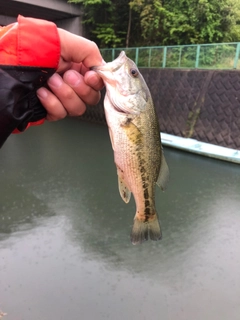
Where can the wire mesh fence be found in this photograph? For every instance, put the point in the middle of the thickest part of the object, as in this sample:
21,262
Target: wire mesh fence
202,56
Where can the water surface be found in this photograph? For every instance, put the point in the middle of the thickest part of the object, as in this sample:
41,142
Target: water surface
65,251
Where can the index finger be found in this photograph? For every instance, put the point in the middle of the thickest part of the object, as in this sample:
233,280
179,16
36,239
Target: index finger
78,49
92,79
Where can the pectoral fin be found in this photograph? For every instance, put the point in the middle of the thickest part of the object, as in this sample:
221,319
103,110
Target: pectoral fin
111,138
125,193
132,131
163,174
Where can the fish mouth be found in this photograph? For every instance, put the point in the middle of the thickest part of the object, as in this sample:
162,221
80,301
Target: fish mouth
110,66
106,72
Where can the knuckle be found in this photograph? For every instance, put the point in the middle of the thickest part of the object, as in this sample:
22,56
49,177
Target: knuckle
94,98
94,46
77,110
67,93
55,117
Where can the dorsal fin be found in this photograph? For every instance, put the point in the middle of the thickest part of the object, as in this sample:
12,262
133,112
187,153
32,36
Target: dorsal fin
163,177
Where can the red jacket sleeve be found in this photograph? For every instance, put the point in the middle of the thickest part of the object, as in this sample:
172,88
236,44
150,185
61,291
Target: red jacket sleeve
30,42
29,55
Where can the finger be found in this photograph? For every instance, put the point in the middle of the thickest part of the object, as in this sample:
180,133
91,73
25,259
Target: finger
54,108
92,79
73,103
87,93
78,49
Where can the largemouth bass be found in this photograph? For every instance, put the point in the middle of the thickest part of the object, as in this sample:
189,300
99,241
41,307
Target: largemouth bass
135,137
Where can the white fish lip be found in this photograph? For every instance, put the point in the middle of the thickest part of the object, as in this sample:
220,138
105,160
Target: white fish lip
111,66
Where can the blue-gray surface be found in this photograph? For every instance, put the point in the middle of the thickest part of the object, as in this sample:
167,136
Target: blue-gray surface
65,251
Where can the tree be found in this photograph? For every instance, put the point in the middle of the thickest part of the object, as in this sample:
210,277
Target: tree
188,21
107,21
123,23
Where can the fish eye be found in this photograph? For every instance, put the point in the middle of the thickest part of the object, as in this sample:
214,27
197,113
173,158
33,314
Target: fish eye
134,72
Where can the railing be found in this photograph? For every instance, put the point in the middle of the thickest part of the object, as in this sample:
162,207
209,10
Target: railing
202,56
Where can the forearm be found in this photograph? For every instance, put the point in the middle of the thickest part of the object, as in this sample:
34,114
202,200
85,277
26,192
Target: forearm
29,55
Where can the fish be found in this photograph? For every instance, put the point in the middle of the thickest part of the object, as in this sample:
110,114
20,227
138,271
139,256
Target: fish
135,137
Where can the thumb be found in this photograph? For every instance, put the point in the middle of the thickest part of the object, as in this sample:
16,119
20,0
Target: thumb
78,49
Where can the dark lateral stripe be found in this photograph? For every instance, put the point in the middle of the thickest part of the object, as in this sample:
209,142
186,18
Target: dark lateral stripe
146,194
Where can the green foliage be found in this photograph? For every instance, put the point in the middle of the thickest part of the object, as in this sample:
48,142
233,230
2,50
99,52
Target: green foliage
106,34
105,21
214,56
217,56
113,23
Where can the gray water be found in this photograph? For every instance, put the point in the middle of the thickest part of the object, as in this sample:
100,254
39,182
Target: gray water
65,251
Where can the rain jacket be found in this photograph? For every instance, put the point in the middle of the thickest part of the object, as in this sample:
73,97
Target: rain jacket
29,55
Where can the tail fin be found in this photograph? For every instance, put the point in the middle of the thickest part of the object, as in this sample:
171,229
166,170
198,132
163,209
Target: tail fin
141,230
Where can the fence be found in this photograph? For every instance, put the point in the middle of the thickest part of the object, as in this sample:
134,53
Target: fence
201,56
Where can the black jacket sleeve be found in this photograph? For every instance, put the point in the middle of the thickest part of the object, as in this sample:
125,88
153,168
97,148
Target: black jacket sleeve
19,103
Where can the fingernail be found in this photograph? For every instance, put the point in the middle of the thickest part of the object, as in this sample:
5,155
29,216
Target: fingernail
42,93
55,80
72,77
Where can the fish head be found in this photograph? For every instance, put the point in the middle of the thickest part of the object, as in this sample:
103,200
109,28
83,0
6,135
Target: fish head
125,86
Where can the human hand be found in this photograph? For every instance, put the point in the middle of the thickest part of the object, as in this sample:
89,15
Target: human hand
73,85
